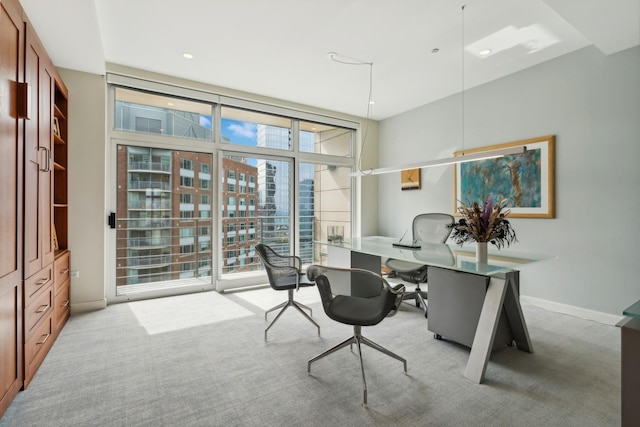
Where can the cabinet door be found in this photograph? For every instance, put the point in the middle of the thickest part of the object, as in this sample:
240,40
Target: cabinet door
38,162
11,146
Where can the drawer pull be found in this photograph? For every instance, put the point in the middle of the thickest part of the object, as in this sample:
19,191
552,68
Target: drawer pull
42,282
66,304
44,340
65,271
43,308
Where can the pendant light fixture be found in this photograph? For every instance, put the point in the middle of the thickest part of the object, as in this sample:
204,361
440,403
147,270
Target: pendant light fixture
448,160
445,161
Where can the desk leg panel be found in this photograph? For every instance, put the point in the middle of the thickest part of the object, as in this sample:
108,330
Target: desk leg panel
346,258
516,317
486,331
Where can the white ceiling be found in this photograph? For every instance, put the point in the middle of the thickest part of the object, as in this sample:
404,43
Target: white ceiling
278,48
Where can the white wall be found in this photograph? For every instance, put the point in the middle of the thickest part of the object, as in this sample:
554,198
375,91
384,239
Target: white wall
86,172
591,102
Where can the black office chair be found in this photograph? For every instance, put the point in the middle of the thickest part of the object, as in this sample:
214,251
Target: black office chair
429,227
284,275
356,297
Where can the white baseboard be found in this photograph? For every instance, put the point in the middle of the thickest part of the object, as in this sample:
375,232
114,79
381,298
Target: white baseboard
83,307
572,310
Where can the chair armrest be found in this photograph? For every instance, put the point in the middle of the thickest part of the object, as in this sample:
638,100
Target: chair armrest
291,260
398,290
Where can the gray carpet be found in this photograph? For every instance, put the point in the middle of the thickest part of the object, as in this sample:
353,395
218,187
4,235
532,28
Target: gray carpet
201,360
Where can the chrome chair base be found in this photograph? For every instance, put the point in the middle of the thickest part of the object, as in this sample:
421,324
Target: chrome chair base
358,339
289,303
420,298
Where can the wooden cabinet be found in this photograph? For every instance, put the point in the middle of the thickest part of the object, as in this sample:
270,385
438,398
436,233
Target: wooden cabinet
38,144
38,330
11,160
38,205
60,195
38,312
62,290
34,290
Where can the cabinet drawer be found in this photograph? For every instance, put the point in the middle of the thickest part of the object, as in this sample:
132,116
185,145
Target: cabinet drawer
37,282
36,349
61,268
62,303
40,307
38,342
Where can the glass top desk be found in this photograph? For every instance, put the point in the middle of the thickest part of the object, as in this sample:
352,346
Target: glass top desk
456,285
633,311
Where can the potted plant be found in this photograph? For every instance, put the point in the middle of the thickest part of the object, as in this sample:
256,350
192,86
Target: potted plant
482,223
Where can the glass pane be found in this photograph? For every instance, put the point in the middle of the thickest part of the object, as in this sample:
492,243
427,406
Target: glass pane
163,115
256,209
245,127
164,220
325,139
325,205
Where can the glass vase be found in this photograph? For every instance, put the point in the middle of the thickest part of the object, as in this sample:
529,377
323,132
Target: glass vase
481,253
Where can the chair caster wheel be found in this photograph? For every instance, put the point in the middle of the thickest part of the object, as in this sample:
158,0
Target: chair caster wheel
437,336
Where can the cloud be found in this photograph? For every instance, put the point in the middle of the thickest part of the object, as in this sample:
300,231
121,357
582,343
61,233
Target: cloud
206,122
246,130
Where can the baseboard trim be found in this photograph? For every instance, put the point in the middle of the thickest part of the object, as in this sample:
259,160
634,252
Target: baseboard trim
83,307
572,310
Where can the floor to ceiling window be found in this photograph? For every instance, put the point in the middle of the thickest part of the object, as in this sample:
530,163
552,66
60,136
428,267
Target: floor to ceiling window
256,207
163,230
200,180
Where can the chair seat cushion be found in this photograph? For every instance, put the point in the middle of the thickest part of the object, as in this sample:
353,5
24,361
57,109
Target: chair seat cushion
359,311
401,266
289,282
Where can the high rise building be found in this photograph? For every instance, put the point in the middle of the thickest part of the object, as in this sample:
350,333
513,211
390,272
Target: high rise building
164,215
239,215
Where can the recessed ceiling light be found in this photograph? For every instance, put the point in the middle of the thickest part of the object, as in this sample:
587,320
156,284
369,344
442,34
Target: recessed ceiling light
485,52
187,55
372,102
170,104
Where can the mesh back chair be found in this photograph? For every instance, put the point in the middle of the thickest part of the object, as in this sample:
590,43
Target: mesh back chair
429,227
356,297
284,275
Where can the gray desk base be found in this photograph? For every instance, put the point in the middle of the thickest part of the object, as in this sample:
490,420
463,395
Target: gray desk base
630,376
478,311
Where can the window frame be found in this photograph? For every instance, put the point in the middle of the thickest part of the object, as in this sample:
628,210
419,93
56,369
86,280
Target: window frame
218,148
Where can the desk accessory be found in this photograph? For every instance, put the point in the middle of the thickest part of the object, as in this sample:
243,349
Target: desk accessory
412,245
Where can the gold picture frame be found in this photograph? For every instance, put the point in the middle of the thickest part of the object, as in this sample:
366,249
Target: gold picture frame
526,180
410,179
54,238
56,126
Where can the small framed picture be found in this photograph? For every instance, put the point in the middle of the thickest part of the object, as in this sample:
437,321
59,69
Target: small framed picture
54,237
410,179
56,126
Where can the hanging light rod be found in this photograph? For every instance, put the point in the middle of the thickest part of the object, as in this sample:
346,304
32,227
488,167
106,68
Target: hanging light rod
492,154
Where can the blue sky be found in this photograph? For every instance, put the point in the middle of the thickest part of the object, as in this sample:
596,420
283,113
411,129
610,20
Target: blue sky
238,132
243,133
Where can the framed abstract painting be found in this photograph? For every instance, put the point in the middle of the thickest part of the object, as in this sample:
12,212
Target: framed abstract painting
526,181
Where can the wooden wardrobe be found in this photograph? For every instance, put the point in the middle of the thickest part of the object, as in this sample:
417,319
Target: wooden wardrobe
34,253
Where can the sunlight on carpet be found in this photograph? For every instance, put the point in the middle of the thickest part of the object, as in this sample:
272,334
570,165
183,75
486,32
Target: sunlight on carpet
162,315
265,298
